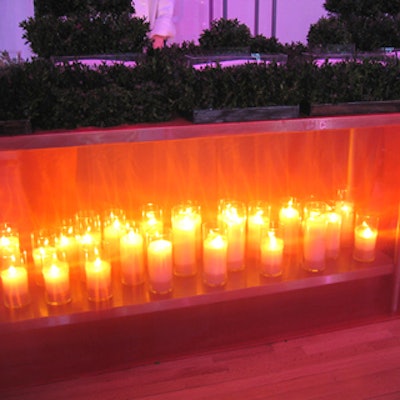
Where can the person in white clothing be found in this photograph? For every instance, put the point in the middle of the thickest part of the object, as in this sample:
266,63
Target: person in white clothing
159,14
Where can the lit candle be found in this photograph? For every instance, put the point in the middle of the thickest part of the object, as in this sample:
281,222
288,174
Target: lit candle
215,250
67,245
314,243
333,229
289,223
257,221
15,287
114,228
9,249
346,210
233,215
56,281
98,279
88,243
132,258
159,263
184,227
271,255
42,257
152,220
365,241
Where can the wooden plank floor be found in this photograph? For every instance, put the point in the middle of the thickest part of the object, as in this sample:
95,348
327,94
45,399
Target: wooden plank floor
356,363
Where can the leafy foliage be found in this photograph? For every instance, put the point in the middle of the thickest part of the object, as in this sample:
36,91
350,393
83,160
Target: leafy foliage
369,24
79,35
225,33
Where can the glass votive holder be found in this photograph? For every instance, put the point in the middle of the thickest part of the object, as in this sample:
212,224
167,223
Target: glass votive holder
271,259
333,234
43,251
67,245
186,234
15,284
98,277
114,223
290,224
57,283
132,256
232,216
160,263
215,253
88,226
152,221
258,220
314,236
365,237
344,206
9,244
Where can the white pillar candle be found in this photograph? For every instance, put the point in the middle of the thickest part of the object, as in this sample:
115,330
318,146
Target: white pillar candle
42,257
258,220
333,229
215,249
233,216
314,243
184,228
15,287
346,210
132,258
152,220
112,232
365,236
67,245
9,249
271,255
57,284
98,279
159,263
289,225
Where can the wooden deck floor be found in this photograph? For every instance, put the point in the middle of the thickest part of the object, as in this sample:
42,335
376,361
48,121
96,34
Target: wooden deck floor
356,363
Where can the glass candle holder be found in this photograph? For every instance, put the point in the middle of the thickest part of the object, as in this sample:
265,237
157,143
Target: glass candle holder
215,255
44,251
289,224
314,236
98,277
160,263
365,236
151,219
344,206
132,256
88,227
186,228
271,264
88,237
9,245
15,284
57,283
258,220
114,224
232,217
333,234
67,245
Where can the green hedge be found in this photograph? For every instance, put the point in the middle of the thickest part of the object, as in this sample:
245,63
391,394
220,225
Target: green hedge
163,86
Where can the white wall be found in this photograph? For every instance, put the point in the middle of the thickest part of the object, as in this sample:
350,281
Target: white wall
293,18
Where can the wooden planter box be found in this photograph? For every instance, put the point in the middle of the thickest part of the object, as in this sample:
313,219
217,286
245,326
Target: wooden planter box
353,108
15,127
244,114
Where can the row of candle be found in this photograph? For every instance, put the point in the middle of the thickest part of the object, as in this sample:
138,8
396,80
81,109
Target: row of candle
148,249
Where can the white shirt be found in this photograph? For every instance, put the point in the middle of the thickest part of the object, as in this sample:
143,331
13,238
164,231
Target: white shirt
159,14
